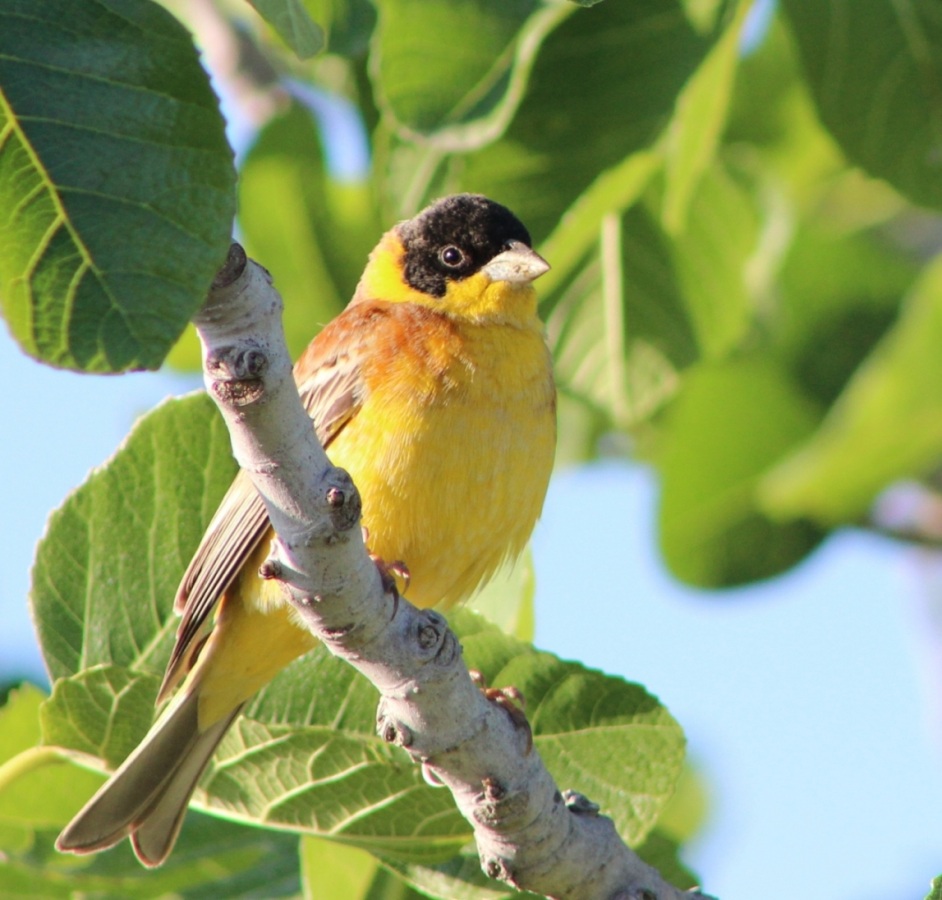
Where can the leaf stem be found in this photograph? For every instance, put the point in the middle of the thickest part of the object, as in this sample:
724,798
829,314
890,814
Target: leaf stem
27,761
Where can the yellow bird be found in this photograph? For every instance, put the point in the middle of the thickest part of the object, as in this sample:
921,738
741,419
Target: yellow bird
434,389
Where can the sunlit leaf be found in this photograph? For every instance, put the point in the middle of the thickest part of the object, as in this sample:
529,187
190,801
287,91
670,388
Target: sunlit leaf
108,566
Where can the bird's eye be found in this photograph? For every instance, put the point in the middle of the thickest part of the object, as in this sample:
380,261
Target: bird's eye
451,256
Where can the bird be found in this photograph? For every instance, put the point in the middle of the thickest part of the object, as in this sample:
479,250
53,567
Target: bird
434,389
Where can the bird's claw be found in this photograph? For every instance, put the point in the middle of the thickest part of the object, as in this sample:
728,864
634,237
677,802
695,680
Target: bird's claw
392,573
510,700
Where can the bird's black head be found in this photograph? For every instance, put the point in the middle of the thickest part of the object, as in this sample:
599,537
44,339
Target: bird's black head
454,238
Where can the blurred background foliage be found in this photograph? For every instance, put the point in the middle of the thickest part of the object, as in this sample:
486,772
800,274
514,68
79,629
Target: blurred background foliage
739,200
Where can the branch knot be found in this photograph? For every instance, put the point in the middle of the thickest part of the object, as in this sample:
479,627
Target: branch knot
343,500
237,373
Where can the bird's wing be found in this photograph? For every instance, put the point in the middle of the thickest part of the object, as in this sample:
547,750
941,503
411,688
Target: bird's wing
332,389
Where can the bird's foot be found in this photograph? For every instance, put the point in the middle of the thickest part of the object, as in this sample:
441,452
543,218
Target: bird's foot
394,575
508,699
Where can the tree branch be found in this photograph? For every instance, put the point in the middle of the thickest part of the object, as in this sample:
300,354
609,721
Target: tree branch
528,833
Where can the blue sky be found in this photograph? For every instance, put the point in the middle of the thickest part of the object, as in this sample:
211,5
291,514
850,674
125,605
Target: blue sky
805,700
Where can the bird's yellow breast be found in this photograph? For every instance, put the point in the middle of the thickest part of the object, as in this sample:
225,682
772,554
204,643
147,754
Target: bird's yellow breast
452,451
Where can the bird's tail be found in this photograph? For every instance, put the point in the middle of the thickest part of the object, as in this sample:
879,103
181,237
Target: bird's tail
147,796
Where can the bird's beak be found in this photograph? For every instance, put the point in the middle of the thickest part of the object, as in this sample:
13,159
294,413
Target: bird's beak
518,264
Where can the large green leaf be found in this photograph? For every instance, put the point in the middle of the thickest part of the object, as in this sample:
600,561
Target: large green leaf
314,762
107,569
728,426
875,69
310,760
115,180
886,425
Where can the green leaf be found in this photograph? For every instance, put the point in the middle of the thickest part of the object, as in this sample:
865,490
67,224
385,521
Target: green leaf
601,88
107,570
467,53
728,426
695,130
840,294
115,178
101,712
212,859
886,425
714,256
935,892
876,74
316,764
38,789
582,720
293,24
619,330
332,871
460,878
313,763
